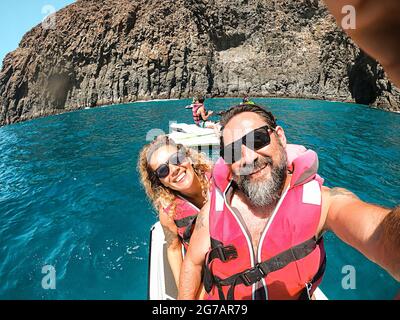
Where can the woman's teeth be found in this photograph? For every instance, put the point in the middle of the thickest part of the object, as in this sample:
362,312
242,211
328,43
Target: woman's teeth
180,177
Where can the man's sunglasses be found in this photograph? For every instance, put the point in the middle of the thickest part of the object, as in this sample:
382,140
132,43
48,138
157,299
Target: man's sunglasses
176,159
254,140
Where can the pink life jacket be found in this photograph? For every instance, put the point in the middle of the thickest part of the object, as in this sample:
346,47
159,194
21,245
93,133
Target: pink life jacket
197,117
184,218
290,261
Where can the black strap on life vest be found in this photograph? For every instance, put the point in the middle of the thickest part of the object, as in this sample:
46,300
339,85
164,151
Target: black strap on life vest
186,223
218,251
223,253
259,271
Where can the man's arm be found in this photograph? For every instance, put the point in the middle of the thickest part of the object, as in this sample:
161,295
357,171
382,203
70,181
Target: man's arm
190,279
377,30
174,246
371,229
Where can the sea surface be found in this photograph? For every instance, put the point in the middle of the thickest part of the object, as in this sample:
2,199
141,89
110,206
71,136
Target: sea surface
70,197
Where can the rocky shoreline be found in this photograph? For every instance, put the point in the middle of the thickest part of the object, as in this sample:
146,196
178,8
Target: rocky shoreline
119,51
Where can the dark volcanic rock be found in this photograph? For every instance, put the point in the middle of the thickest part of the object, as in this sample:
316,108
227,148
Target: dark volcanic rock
115,51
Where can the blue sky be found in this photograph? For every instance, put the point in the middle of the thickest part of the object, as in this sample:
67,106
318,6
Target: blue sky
18,17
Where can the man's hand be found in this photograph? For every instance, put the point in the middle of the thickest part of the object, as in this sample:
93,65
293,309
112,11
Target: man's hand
371,229
190,278
377,30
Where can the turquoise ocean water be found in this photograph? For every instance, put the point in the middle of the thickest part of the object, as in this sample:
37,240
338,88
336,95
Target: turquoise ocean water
70,195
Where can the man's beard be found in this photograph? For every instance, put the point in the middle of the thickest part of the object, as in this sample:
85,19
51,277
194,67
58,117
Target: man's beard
264,192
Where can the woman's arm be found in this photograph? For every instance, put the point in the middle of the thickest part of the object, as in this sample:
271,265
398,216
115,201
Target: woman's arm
190,282
174,245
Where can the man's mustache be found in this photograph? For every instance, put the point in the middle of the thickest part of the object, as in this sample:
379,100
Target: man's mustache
258,164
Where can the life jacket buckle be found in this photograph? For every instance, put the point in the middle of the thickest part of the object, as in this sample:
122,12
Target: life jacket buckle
226,253
252,275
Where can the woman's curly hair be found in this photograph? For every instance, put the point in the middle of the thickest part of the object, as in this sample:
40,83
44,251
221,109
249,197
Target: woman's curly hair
161,196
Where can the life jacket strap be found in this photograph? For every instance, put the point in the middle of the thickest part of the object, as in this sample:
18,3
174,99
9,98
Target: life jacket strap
184,222
188,223
261,270
223,253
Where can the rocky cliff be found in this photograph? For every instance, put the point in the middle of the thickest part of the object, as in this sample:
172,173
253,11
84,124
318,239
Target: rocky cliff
115,51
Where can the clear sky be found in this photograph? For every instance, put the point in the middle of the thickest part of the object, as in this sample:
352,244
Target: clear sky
19,16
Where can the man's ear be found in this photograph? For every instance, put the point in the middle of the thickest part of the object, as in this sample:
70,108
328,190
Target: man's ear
281,135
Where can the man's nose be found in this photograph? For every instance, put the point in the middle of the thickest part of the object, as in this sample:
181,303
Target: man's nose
248,156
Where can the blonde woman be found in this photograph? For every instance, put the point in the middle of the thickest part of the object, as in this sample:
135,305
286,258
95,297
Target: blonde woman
176,179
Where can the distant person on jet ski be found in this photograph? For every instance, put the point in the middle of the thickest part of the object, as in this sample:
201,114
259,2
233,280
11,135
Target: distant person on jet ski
246,100
201,115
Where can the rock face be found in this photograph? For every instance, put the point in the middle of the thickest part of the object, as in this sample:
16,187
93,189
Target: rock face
115,51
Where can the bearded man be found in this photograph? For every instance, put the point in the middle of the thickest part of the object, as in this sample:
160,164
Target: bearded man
260,234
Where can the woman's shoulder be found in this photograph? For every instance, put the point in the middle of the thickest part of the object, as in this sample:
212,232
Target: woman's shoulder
166,206
166,221
175,202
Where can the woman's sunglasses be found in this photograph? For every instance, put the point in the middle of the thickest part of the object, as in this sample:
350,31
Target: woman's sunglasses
254,140
176,159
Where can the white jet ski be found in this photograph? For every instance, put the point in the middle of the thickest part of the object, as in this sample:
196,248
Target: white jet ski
190,135
161,280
